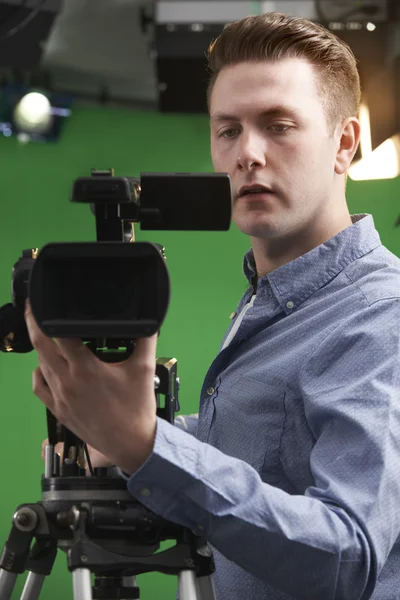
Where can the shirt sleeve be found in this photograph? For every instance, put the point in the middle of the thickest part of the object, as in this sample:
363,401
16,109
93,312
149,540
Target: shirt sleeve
332,541
187,423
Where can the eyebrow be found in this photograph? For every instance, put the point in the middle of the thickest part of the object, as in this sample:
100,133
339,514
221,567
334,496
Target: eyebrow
276,111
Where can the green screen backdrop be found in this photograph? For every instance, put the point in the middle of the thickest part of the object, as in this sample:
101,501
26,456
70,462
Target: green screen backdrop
205,269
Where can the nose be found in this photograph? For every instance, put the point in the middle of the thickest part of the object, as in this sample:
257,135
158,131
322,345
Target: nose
252,152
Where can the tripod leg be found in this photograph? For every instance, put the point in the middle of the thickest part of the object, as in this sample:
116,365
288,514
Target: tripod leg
7,582
195,588
82,585
33,586
205,588
187,585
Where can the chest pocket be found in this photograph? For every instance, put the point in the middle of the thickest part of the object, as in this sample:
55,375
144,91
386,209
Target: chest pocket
247,423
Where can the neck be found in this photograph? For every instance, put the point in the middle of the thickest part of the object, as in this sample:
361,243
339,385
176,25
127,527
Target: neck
271,253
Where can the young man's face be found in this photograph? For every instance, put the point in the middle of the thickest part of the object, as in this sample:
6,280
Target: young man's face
268,128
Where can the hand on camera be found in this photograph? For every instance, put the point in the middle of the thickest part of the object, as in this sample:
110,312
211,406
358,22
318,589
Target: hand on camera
111,406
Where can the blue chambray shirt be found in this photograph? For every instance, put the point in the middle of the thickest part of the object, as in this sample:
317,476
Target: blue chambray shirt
293,471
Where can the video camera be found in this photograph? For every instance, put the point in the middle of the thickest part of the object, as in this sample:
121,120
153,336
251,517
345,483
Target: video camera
111,291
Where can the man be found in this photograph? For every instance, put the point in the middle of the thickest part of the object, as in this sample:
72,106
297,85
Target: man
293,472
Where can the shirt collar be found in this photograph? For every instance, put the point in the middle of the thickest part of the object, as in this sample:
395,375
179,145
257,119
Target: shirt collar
295,281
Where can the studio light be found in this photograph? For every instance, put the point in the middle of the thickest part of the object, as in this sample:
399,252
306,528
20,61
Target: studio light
381,163
32,114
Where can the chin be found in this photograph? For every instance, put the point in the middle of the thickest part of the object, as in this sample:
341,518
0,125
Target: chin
260,228
254,220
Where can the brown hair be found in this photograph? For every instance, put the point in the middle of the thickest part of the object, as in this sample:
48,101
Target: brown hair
276,36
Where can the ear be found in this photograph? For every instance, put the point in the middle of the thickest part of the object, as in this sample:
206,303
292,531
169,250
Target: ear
348,137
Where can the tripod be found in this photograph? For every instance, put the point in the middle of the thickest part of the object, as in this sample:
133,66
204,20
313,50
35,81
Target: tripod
101,527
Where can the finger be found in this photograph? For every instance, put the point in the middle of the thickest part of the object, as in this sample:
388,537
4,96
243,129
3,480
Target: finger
41,389
145,350
59,449
46,348
74,350
44,444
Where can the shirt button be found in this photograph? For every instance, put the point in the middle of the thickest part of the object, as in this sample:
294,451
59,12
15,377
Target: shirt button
290,304
145,492
210,391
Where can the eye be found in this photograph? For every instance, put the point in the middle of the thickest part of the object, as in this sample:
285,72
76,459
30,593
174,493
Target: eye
228,133
280,127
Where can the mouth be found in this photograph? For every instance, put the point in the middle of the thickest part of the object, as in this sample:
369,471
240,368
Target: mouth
254,190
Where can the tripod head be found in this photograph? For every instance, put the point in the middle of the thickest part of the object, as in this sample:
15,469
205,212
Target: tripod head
75,453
